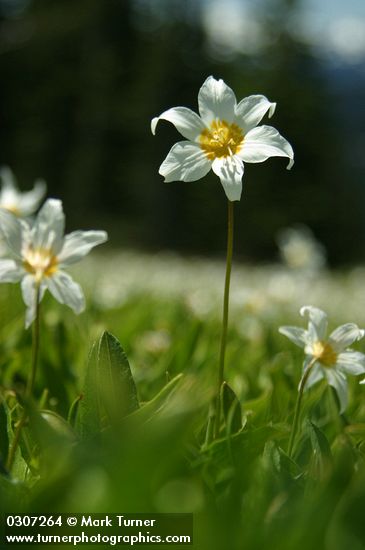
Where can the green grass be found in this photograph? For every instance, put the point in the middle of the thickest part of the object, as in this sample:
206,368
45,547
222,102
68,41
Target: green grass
244,491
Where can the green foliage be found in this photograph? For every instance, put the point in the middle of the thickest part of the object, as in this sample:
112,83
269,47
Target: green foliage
231,409
109,388
135,434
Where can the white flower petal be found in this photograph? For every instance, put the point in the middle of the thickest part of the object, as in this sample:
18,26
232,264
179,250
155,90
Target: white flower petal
315,375
29,293
351,362
338,381
49,226
11,231
7,178
188,123
344,336
251,110
66,291
264,142
230,172
10,272
79,243
186,161
317,326
21,204
295,334
30,200
216,100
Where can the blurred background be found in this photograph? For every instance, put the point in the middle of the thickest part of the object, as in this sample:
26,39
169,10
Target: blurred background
81,80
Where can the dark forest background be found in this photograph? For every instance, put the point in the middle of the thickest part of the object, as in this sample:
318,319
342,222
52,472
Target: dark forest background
81,80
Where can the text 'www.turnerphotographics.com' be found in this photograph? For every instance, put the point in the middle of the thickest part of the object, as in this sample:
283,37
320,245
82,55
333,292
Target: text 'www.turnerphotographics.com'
109,529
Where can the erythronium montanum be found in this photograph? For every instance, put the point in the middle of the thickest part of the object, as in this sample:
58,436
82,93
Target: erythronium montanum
19,203
325,357
39,252
222,138
22,204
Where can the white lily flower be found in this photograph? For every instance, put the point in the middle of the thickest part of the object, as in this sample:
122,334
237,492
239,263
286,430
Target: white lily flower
21,204
222,138
332,358
39,254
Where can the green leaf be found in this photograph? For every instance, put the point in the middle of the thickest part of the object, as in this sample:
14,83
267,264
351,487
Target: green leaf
20,468
88,419
14,495
58,424
232,411
72,413
357,430
109,388
4,439
158,402
322,455
117,388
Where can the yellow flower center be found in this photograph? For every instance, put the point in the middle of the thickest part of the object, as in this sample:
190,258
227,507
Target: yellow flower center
40,262
325,354
221,139
13,209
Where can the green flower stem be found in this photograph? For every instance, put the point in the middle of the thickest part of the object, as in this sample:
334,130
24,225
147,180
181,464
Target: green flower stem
30,383
35,350
225,315
298,405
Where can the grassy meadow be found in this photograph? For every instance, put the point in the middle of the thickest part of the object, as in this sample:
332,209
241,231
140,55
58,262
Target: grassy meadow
148,448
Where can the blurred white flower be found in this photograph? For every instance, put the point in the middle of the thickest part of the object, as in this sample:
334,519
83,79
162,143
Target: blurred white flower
332,358
223,137
22,204
13,200
155,341
299,248
40,251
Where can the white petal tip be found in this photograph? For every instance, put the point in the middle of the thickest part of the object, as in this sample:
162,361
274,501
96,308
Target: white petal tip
290,165
362,381
154,122
303,310
272,109
40,185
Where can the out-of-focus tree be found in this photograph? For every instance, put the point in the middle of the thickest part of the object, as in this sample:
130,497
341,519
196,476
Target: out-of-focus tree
81,80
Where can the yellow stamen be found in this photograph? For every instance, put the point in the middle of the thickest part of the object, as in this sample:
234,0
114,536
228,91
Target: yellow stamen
221,139
13,209
324,353
40,262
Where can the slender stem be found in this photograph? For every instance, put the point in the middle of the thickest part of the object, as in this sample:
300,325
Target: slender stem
225,315
298,406
30,382
35,350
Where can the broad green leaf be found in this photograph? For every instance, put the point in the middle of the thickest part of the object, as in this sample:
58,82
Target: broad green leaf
49,439
14,495
322,455
88,420
109,388
116,385
58,424
232,411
